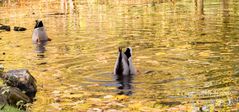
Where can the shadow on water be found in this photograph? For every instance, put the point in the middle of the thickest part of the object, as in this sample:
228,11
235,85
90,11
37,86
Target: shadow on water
124,84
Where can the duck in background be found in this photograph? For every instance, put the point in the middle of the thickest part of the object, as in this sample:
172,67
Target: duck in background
40,38
39,34
124,71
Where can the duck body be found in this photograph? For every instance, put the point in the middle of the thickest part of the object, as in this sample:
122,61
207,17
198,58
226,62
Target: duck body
124,65
128,53
124,71
39,33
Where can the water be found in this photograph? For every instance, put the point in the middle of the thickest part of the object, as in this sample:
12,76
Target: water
184,60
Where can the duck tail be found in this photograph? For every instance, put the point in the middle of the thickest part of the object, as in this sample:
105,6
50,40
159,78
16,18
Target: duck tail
120,49
118,64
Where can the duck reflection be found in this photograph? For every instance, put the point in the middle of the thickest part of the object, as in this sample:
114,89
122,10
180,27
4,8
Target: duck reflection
124,84
40,49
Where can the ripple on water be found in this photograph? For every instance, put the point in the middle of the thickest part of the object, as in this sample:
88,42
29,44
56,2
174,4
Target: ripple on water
183,59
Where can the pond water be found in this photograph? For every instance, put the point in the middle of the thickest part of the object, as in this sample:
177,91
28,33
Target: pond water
184,60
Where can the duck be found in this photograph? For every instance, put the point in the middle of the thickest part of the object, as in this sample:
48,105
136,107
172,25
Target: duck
124,65
39,34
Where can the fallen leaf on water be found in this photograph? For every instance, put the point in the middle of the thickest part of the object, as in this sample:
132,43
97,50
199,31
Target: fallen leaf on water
121,97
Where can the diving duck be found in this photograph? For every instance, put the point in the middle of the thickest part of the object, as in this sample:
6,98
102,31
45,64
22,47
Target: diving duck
39,34
124,65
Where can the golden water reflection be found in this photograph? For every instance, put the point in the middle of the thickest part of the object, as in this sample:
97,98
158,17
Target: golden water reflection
185,60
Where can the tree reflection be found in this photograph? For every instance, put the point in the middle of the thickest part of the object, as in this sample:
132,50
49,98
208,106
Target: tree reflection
225,8
199,6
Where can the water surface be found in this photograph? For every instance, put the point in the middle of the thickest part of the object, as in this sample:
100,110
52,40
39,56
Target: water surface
184,60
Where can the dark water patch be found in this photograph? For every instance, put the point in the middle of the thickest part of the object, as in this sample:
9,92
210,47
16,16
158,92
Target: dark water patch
204,43
219,77
170,103
154,72
42,63
57,14
211,98
176,58
220,85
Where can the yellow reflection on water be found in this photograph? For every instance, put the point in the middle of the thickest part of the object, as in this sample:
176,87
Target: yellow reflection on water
185,59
